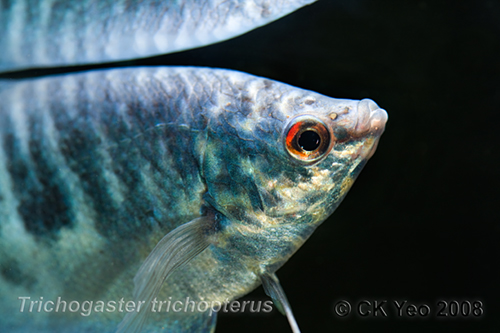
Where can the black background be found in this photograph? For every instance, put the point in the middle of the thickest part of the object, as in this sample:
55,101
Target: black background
421,223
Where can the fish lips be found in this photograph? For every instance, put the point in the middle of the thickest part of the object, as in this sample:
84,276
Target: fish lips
364,122
370,120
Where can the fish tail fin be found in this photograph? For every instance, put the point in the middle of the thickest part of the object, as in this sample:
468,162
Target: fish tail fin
177,248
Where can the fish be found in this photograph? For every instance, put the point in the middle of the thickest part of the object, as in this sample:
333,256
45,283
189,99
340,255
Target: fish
52,33
130,187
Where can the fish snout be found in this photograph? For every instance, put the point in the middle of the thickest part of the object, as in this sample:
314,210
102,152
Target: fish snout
371,119
370,125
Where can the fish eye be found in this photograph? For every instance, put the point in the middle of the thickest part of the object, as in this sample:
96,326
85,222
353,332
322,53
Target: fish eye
307,139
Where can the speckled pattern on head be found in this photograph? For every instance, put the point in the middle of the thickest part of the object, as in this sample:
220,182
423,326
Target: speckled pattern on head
95,168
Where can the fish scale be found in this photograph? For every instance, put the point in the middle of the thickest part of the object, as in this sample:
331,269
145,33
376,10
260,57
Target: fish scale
98,167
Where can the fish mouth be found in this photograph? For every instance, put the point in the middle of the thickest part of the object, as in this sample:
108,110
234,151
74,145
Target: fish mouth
371,119
370,124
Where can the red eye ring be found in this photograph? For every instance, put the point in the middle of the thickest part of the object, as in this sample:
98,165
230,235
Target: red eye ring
307,139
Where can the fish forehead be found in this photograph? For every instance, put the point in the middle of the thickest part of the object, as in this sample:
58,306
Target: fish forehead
265,106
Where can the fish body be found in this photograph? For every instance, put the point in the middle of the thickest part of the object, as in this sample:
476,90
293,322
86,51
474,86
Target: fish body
169,183
52,33
96,167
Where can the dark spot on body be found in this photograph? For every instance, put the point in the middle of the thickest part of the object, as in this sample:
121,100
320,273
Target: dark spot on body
6,5
267,84
12,273
340,134
265,12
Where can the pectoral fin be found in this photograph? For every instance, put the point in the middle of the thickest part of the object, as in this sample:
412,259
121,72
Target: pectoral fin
274,290
174,250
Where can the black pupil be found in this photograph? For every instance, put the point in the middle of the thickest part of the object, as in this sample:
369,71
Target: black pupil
309,140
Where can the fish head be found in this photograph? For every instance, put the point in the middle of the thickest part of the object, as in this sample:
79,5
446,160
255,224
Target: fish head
327,143
281,163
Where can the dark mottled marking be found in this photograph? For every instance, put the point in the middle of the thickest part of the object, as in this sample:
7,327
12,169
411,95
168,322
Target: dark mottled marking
17,167
83,148
79,148
43,196
131,158
128,154
18,170
12,273
141,137
47,208
6,5
265,11
340,134
268,84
